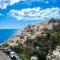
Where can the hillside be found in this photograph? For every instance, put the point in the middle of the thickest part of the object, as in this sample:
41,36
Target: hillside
36,40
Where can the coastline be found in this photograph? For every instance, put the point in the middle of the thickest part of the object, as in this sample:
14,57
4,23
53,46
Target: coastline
8,38
16,32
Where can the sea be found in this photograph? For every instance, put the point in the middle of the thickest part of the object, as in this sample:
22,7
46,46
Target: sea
5,34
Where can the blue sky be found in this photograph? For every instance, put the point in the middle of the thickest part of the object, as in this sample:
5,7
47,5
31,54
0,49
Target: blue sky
15,14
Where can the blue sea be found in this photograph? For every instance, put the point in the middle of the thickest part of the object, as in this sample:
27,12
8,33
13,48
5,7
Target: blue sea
5,34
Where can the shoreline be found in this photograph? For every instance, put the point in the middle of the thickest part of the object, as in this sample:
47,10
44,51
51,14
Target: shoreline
18,30
4,41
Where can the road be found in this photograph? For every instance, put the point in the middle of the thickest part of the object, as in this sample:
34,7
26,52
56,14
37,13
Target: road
3,56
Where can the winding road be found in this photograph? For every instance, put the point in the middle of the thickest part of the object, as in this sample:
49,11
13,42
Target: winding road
3,56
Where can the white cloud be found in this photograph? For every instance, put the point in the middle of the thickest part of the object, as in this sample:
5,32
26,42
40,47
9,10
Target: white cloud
13,1
5,3
35,13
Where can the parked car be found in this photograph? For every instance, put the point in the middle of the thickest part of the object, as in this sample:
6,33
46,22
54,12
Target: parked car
6,50
12,55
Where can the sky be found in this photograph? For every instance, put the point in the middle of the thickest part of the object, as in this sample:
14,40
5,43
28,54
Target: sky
16,14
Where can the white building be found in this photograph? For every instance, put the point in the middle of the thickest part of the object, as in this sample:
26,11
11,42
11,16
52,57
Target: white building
34,58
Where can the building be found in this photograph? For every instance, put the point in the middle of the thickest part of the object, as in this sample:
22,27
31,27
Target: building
34,58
